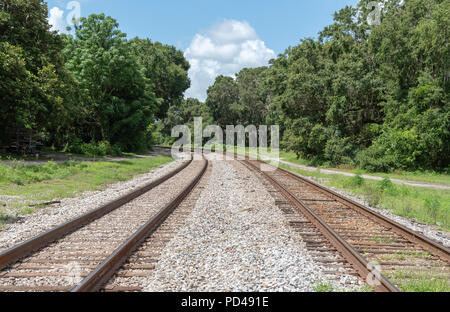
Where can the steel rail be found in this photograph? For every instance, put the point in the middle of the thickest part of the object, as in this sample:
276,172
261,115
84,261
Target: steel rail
106,270
14,254
359,263
417,238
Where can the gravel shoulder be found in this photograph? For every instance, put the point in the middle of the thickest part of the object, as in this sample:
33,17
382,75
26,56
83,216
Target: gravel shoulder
44,219
236,239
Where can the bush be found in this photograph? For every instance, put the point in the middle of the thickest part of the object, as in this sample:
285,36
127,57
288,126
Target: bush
74,146
386,186
339,151
374,159
374,196
357,180
99,149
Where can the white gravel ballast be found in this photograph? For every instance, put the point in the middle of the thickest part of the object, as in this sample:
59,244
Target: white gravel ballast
236,239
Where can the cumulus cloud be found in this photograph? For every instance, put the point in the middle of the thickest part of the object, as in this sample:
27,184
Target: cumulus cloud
224,49
56,19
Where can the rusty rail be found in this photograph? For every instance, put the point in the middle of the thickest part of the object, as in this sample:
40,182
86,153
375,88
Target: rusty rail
106,270
424,242
359,263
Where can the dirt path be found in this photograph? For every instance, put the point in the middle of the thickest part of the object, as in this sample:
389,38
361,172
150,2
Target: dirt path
60,158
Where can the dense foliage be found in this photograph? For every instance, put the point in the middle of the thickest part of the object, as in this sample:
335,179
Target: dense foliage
36,91
93,92
375,96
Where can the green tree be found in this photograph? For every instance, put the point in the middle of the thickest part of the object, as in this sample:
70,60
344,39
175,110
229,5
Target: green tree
117,103
166,69
411,47
36,90
185,113
223,101
252,95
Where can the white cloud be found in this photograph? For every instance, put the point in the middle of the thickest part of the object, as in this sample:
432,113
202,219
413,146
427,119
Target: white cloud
56,20
224,49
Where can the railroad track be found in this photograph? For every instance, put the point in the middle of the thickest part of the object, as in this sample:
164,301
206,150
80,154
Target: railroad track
82,255
135,274
350,238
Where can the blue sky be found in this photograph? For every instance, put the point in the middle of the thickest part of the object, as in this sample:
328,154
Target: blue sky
219,37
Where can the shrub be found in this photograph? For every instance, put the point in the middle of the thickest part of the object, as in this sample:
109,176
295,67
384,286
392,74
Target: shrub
74,146
386,186
96,149
357,180
339,151
374,159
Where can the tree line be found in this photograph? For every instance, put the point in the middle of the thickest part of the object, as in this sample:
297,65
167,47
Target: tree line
87,89
375,96
372,96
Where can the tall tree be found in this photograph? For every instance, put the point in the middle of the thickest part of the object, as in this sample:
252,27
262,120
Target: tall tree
36,91
253,95
166,69
118,106
223,101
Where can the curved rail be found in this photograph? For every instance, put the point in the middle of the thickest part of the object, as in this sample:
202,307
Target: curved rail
424,242
360,264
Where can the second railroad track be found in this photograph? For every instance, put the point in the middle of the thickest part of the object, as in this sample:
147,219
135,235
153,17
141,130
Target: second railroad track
83,254
352,238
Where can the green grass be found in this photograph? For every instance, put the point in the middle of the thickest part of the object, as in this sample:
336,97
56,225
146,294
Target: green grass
420,282
384,240
327,287
418,176
425,205
52,181
411,254
323,287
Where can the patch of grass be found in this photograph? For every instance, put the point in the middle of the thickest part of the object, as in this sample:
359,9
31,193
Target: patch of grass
26,211
19,174
68,179
411,254
3,219
432,206
424,205
323,287
292,158
420,282
382,240
356,181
